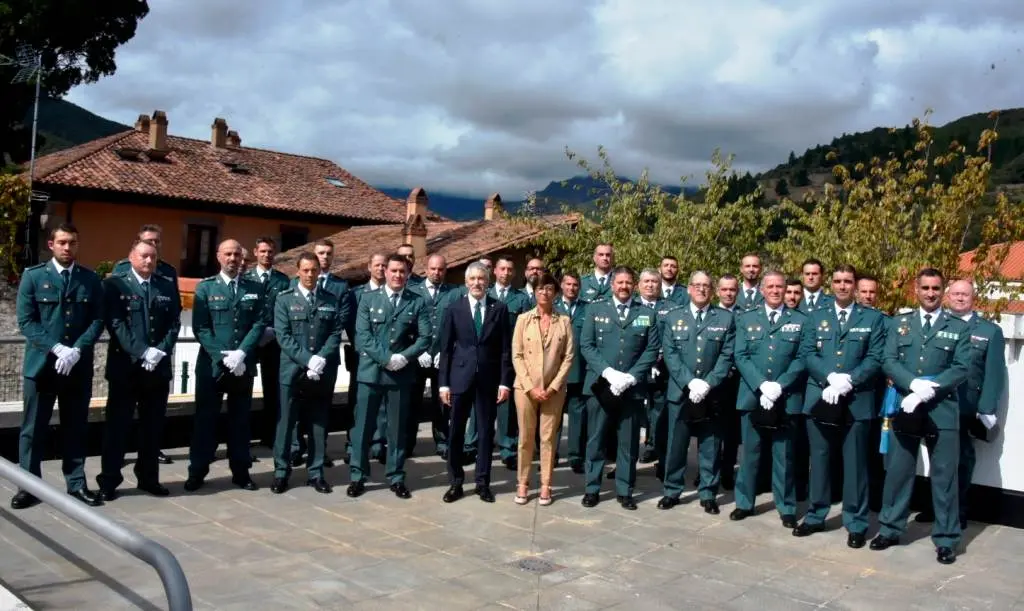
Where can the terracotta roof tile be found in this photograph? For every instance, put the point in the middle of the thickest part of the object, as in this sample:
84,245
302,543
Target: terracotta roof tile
1012,268
196,170
459,242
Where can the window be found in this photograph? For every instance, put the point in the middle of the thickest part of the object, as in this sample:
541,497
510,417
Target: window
200,252
293,237
337,182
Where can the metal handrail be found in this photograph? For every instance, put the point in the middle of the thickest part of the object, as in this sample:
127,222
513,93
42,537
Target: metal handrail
179,598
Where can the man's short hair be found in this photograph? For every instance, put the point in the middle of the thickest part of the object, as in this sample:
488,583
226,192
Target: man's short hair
150,228
477,266
793,282
846,268
930,272
324,242
65,228
813,261
775,273
305,256
397,258
669,258
138,241
650,271
867,277
622,269
728,277
265,239
701,272
507,258
569,274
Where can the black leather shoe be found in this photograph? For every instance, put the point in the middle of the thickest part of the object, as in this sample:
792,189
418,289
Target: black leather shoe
108,494
728,482
484,493
163,459
511,463
591,499
963,524
925,517
444,455
297,459
627,502
881,542
154,488
855,540
193,483
576,467
328,462
468,459
356,489
23,500
740,514
87,496
279,485
668,502
806,530
401,491
453,494
320,485
945,555
245,483
610,474
788,521
711,507
382,458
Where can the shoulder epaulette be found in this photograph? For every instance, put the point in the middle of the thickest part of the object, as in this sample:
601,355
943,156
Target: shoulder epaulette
209,279
37,266
287,291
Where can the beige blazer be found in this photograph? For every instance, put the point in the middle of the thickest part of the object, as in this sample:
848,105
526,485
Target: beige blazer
542,362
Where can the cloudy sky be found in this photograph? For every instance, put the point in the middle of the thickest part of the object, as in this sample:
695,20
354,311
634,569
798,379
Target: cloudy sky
470,97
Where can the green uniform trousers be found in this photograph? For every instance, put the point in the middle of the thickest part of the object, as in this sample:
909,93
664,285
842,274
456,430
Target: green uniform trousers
854,440
576,438
656,422
315,410
625,424
39,395
781,441
901,469
968,458
146,393
204,432
677,448
395,401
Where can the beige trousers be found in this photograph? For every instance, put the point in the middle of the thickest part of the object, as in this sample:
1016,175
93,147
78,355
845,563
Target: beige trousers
549,415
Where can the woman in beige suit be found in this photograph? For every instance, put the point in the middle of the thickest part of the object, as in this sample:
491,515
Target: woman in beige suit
542,353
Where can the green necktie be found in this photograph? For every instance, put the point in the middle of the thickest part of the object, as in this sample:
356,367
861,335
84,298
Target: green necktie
842,320
478,318
394,301
622,311
772,317
700,316
927,323
65,276
145,304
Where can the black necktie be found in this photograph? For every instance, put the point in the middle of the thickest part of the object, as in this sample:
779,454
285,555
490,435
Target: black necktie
927,323
394,301
700,316
772,317
263,277
65,276
750,295
310,297
622,311
323,282
842,320
234,289
145,304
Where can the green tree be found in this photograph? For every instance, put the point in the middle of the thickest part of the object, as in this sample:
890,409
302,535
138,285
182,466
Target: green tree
801,178
782,187
644,223
77,39
891,217
13,213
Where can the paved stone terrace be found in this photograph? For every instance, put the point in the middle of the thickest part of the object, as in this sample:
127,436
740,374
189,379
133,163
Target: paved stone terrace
303,550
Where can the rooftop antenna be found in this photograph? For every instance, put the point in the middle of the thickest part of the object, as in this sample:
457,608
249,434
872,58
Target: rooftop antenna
30,67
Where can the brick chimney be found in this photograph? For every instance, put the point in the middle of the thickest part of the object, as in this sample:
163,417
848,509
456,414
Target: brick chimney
415,229
234,140
219,133
142,124
492,207
158,131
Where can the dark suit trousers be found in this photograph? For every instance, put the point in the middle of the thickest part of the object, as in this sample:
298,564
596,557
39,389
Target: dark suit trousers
204,423
147,393
481,402
270,368
576,407
39,395
729,427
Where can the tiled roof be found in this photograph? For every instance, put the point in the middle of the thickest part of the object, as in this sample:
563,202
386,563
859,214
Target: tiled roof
459,242
1012,267
196,170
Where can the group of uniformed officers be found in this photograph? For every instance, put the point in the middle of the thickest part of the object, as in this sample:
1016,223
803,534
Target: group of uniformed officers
800,374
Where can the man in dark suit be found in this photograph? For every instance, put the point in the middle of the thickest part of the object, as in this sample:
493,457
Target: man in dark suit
142,311
60,313
474,373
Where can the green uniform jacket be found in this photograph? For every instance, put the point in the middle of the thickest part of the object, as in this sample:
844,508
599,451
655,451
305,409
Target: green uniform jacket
858,350
629,346
701,351
382,331
823,302
679,295
304,330
661,307
443,296
222,322
135,326
163,268
744,304
945,354
578,370
592,291
49,315
986,378
275,284
516,300
767,353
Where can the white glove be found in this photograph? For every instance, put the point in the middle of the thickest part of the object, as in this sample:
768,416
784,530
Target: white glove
313,375
239,370
63,366
654,372
437,360
613,376
317,363
925,389
153,356
772,390
831,395
766,403
699,386
696,397
989,420
627,381
60,350
232,358
618,389
841,382
396,362
66,363
148,366
910,402
425,360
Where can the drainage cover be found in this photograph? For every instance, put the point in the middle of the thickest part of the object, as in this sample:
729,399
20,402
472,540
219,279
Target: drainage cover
537,566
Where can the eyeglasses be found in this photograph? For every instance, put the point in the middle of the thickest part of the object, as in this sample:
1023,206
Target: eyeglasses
546,289
700,285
